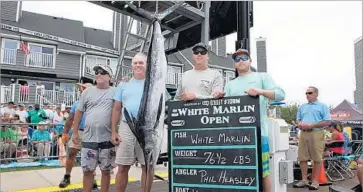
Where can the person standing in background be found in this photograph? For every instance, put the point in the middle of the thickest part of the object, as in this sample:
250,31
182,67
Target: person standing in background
311,118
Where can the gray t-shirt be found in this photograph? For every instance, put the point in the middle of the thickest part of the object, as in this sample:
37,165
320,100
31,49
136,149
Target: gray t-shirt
97,105
201,83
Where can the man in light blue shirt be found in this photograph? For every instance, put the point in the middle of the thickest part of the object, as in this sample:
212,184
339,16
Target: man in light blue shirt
255,84
311,118
128,95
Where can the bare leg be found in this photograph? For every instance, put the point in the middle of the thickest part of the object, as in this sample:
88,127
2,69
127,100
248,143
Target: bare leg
71,160
304,170
122,177
105,181
360,174
267,184
146,186
316,173
88,181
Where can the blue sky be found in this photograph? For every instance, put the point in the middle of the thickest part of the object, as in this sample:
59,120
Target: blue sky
308,43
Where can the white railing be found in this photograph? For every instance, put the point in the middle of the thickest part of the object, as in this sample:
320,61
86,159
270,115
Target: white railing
69,98
51,97
173,78
6,94
8,56
41,60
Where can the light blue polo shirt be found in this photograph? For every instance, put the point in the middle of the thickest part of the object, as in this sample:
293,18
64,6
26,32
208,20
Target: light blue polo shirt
313,112
238,86
130,95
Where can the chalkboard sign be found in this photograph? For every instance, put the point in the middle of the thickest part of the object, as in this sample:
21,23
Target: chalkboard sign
214,145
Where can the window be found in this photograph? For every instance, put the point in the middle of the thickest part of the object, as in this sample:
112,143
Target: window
174,69
41,56
8,51
173,75
113,64
92,61
67,87
229,75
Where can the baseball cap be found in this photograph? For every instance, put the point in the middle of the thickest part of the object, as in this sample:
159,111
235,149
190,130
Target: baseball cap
104,67
21,105
200,45
240,51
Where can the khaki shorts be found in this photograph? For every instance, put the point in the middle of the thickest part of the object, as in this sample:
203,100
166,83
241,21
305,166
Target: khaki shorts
129,150
311,146
78,146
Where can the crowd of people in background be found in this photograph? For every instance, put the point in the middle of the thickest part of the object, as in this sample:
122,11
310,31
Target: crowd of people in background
30,131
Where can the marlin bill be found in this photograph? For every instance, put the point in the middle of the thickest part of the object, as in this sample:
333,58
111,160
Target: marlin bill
148,126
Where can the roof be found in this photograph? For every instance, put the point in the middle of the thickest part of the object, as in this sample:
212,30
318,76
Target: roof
61,27
74,30
98,37
346,111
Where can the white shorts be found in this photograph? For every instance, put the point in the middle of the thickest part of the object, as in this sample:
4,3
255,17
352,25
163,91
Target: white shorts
129,150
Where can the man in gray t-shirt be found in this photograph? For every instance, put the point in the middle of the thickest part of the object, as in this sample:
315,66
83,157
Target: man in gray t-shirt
97,149
200,82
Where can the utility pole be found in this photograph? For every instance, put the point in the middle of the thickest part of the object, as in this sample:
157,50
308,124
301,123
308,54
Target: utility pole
244,22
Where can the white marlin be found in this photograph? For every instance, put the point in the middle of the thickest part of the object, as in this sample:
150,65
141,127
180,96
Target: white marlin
148,126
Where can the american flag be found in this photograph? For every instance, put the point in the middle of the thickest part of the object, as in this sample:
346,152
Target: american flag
24,48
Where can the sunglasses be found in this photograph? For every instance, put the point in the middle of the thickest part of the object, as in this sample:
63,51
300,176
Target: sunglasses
202,52
101,72
243,58
309,93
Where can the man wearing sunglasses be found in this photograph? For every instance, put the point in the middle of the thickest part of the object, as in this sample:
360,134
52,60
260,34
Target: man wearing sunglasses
200,82
97,148
256,84
311,118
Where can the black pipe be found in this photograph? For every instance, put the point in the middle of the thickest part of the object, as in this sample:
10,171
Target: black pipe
243,26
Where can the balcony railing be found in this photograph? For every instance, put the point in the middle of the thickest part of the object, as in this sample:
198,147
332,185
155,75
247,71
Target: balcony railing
32,95
8,56
40,60
173,78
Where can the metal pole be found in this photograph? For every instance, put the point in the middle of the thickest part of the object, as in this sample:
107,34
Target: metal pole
243,26
205,24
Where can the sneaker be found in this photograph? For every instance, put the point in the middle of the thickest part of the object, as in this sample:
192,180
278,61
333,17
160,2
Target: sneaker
65,182
95,184
301,184
314,186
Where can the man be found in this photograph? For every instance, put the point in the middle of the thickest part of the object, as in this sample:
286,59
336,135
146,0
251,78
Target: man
73,148
8,140
23,114
200,82
255,84
8,111
97,149
128,95
311,118
36,115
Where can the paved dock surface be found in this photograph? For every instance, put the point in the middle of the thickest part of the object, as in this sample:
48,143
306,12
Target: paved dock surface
162,186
